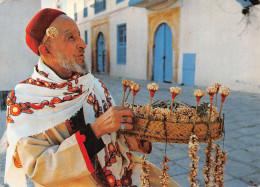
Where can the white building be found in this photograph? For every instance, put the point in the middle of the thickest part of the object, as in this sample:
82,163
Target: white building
16,59
191,42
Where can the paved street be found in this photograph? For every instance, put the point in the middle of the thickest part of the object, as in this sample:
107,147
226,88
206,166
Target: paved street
242,137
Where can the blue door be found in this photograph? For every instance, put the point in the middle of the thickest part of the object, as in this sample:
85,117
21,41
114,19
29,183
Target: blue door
101,53
188,69
162,70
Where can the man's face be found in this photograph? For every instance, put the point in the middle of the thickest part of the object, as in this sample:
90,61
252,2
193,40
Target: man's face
68,48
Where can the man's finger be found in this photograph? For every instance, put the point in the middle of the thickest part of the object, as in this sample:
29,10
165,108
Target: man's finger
126,112
119,108
126,119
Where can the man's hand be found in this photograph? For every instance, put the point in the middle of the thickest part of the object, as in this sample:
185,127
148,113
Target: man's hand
111,121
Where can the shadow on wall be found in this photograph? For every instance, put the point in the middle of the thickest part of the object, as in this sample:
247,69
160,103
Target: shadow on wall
3,96
247,5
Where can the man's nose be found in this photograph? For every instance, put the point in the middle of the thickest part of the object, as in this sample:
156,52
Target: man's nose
81,44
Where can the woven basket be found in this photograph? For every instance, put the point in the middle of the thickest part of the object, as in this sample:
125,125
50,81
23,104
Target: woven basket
155,131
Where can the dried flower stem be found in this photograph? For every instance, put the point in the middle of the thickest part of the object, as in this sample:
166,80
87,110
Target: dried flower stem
216,102
152,89
128,94
211,100
197,104
217,86
123,101
224,92
150,104
135,88
172,104
220,110
198,94
174,91
133,102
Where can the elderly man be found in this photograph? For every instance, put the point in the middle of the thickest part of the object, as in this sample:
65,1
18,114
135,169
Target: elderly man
62,121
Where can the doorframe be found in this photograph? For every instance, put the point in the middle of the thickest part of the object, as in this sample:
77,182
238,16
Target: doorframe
98,26
171,17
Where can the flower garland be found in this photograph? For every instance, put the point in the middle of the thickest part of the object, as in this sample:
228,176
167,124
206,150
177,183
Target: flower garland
145,172
194,147
220,160
165,176
207,168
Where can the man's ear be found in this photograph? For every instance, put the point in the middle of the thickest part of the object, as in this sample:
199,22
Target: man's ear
44,50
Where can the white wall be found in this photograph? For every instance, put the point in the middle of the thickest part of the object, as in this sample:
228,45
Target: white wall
16,59
213,30
137,35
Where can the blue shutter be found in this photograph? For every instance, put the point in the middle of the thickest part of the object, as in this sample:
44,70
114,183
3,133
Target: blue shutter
75,17
75,12
85,12
119,1
100,5
86,37
188,72
121,44
133,2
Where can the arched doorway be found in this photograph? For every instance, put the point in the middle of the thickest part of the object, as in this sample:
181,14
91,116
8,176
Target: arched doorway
101,53
162,66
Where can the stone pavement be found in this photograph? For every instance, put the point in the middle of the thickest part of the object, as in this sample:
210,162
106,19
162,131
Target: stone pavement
242,135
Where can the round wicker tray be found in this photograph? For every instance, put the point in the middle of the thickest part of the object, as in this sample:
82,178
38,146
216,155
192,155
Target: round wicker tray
155,131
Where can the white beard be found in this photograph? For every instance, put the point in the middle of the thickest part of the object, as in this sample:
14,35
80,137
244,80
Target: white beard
73,66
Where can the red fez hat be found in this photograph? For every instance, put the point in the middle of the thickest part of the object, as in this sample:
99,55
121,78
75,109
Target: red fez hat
36,29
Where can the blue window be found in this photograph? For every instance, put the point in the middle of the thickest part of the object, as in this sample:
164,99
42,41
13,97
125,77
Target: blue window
119,1
134,2
86,37
75,12
85,12
76,16
188,69
100,5
121,44
3,99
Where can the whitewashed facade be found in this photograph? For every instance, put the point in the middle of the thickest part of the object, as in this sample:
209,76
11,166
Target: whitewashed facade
227,50
214,32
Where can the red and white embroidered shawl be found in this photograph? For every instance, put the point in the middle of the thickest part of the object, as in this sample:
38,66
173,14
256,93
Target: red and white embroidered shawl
44,101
